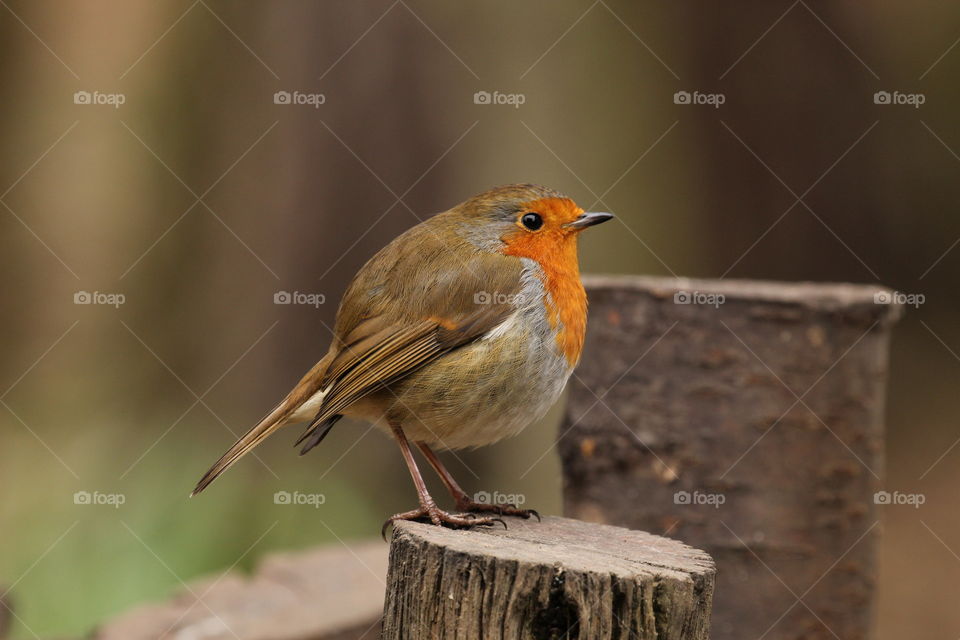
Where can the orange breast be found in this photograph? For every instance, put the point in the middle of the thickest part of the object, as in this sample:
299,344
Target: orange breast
556,253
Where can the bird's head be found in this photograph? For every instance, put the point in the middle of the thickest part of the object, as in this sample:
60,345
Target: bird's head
527,221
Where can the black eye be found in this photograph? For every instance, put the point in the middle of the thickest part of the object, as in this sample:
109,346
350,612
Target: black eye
532,221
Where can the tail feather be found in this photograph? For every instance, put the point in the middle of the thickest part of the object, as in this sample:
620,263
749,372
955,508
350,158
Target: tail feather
273,421
315,433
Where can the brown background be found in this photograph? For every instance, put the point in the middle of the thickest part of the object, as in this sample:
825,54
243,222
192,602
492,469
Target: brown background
294,198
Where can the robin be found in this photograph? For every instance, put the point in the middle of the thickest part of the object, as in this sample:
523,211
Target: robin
459,333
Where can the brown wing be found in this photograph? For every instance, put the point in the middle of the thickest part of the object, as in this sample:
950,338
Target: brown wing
426,293
393,353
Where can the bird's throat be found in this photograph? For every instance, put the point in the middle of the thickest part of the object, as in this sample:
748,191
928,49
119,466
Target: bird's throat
566,302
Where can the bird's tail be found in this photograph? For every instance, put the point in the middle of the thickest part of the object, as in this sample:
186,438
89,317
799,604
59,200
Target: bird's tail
273,421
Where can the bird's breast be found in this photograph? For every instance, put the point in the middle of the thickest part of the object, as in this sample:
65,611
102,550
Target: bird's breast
554,263
491,388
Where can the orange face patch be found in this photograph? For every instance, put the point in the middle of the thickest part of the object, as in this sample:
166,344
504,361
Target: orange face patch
554,211
554,248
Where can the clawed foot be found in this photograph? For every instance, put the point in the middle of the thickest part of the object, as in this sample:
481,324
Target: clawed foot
499,509
441,518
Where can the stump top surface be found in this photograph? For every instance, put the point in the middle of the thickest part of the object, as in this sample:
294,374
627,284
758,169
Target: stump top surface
813,294
572,544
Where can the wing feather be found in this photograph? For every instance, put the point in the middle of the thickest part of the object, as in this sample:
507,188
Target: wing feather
397,354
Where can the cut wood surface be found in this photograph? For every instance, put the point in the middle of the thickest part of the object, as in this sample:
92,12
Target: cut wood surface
329,593
745,418
549,580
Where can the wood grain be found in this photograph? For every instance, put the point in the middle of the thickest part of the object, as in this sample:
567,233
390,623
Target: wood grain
748,421
556,579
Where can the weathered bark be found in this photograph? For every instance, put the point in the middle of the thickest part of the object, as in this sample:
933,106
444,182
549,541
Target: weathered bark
685,418
331,593
544,580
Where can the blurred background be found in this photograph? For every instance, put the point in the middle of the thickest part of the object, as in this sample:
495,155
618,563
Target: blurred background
168,168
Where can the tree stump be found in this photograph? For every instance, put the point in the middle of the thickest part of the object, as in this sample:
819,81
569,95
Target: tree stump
551,580
745,418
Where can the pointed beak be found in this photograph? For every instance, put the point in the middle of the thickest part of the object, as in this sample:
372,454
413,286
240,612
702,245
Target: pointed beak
588,220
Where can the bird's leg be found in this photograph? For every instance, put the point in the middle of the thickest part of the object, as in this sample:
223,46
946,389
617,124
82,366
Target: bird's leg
428,508
463,501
